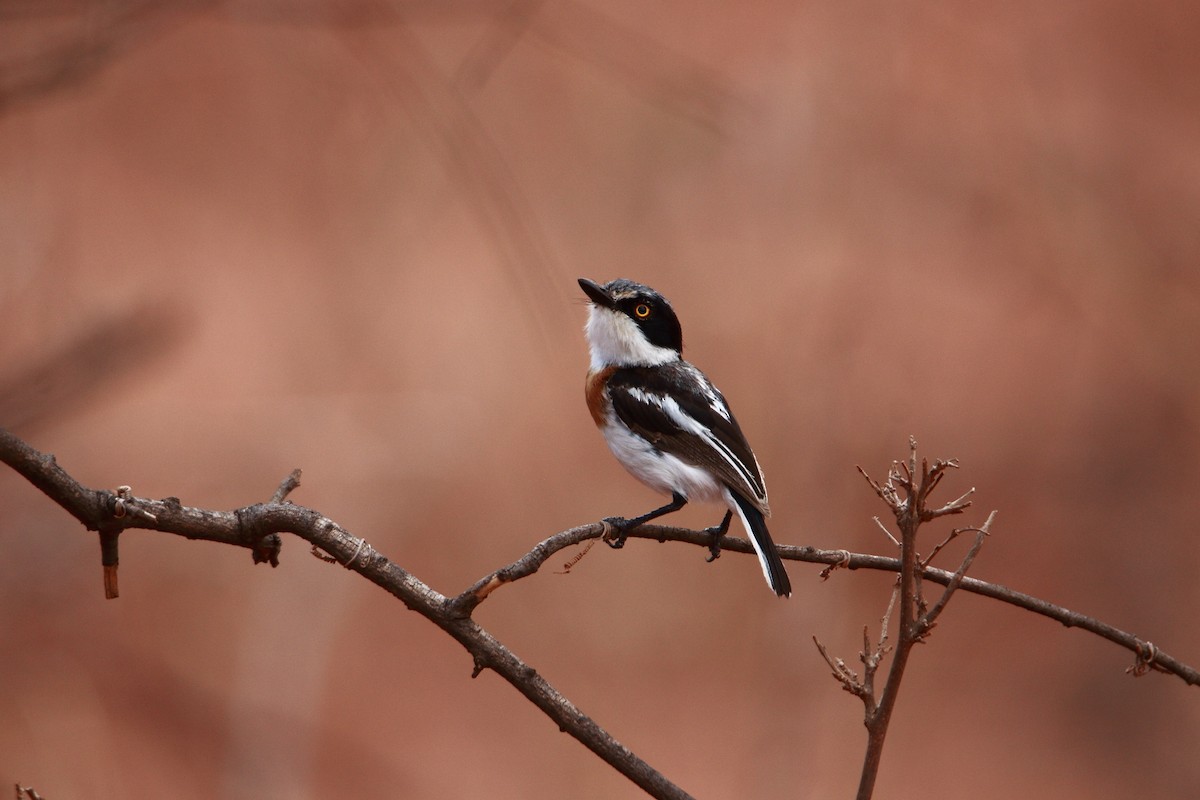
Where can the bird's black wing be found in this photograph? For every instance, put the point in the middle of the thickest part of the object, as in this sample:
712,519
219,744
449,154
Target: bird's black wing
677,409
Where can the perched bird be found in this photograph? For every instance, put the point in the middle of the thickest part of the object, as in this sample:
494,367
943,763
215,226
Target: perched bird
665,421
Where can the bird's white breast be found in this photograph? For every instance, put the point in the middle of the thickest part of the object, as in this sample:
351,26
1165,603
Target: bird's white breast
660,471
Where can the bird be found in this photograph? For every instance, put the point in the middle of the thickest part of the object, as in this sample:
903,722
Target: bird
665,421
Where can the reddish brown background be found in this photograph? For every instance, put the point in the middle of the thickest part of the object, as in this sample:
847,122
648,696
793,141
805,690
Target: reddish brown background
346,238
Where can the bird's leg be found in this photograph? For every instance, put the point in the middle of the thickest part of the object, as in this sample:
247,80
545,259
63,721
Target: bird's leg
716,532
624,526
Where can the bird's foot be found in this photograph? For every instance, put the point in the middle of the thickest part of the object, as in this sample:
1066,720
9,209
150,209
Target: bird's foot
620,531
716,532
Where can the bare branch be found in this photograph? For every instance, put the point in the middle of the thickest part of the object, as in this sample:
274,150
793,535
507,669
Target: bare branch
925,562
873,657
856,561
886,532
886,491
524,566
287,486
844,675
928,619
246,527
993,591
956,506
908,518
1147,655
841,563
916,619
254,526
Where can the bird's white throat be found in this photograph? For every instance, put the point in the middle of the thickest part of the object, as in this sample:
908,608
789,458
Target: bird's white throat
615,340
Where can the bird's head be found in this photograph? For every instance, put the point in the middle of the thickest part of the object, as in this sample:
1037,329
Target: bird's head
630,325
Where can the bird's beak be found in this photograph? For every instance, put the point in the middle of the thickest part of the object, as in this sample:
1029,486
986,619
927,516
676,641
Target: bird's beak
596,293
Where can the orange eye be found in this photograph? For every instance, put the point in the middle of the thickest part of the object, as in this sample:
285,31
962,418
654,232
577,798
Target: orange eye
642,311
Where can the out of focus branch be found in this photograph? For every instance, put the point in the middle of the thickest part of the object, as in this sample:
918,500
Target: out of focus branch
65,44
100,354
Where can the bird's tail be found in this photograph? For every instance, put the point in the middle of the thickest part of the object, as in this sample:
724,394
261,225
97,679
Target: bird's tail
768,556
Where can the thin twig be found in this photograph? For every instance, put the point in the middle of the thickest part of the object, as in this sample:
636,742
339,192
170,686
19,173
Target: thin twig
287,486
956,506
872,658
466,602
886,532
887,491
925,562
847,677
929,618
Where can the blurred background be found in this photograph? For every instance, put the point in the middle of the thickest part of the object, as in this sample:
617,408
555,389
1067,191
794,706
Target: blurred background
242,237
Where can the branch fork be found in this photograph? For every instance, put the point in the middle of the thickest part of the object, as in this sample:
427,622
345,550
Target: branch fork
906,492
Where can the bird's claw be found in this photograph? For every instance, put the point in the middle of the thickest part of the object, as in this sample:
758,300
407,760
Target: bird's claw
714,547
622,528
716,532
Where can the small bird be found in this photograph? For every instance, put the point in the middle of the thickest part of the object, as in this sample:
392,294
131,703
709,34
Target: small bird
665,421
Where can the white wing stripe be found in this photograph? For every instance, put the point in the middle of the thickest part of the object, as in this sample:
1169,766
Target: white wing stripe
671,408
715,402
